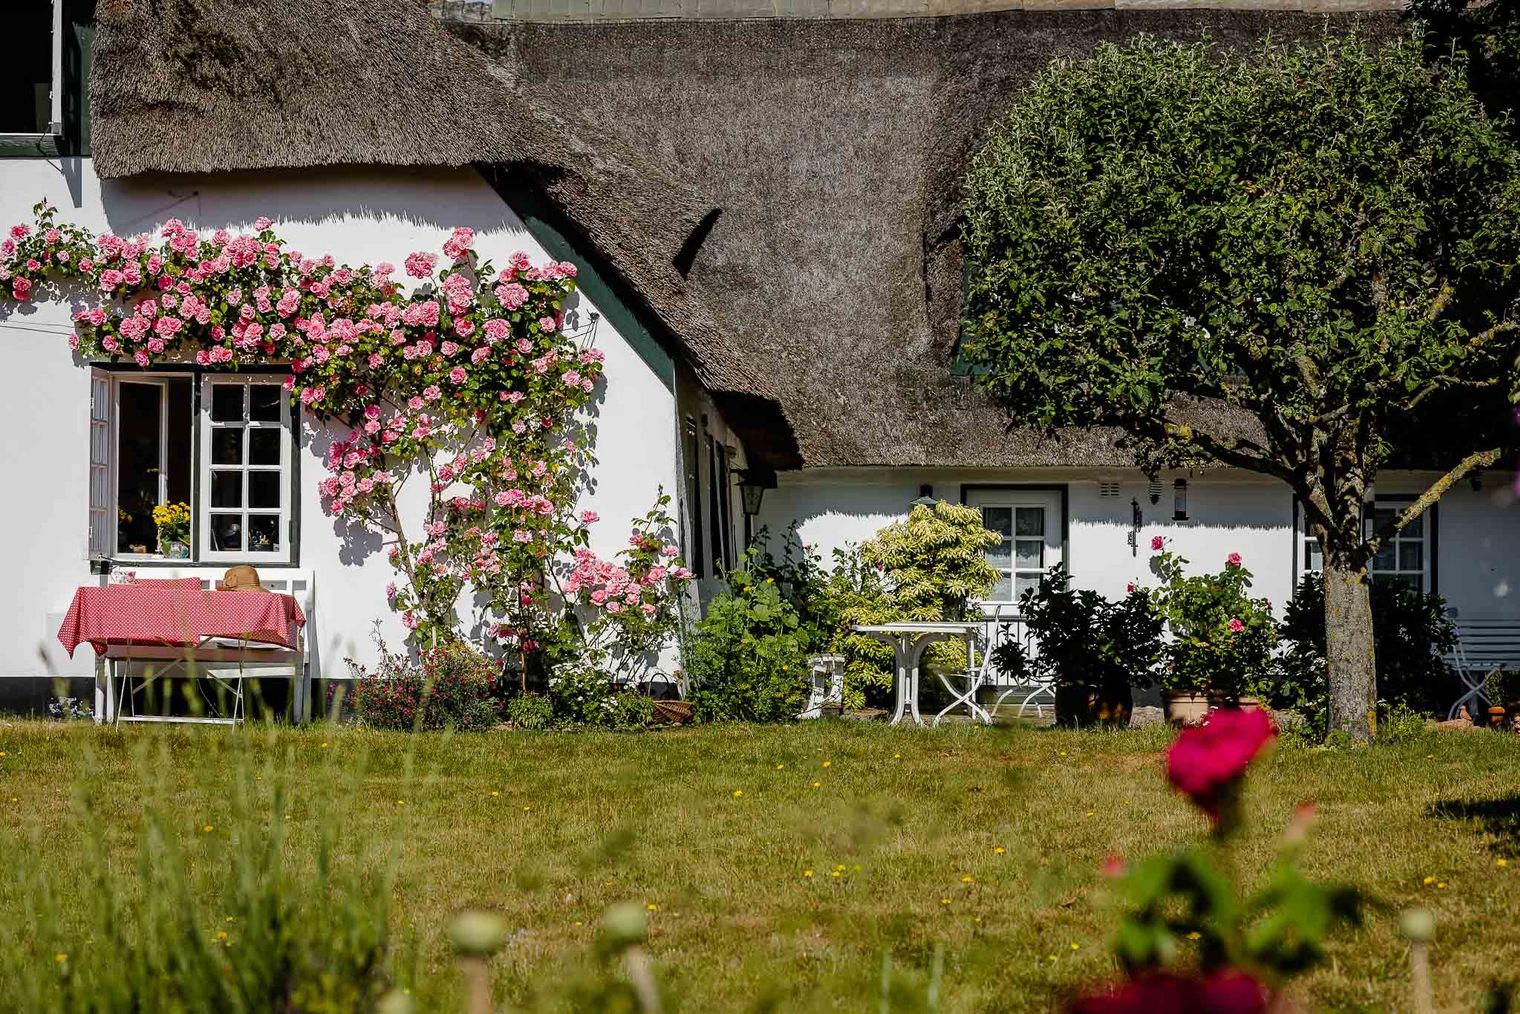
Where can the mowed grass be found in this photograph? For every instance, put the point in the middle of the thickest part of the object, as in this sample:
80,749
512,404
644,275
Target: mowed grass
984,844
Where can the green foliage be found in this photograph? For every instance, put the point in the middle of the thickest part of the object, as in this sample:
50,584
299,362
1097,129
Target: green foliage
858,595
587,696
1222,639
1484,39
934,561
1084,638
1410,631
455,686
529,711
1323,237
748,658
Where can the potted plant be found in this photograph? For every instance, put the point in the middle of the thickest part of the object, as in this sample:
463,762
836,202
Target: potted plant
1221,639
173,521
1094,650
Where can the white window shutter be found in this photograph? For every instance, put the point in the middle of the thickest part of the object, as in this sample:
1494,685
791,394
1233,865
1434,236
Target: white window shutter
100,464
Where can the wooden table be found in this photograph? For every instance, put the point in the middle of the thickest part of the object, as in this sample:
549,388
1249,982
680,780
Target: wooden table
908,641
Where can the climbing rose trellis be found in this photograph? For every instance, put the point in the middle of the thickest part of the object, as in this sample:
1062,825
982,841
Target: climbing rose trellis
463,378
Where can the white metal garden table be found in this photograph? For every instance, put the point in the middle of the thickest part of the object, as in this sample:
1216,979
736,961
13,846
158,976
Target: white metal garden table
908,641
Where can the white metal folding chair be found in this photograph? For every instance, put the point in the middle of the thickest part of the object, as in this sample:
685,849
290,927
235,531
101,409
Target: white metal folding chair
975,676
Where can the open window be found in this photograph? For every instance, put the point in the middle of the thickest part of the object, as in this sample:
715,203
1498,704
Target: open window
30,94
222,445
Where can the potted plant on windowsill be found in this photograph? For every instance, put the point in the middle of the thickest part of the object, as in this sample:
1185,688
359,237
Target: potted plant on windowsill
1094,650
1221,639
173,522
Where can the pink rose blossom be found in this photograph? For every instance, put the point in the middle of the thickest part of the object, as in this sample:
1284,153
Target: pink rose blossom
1157,544
421,265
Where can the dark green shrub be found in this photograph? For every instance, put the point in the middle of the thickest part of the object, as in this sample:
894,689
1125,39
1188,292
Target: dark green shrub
529,711
1410,633
748,659
1085,638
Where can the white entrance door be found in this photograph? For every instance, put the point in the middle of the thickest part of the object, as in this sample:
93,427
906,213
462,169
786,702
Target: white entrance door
1029,524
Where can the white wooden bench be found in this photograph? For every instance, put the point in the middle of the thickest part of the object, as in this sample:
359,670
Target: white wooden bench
1483,646
222,660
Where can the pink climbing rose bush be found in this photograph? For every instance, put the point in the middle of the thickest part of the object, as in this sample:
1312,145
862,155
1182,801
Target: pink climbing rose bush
464,382
1222,637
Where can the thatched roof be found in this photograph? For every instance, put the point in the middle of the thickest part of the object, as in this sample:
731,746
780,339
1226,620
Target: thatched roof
216,85
834,152
780,196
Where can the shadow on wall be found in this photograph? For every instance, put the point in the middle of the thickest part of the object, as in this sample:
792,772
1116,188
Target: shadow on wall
311,197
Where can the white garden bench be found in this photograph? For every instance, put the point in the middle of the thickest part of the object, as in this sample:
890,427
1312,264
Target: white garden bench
1483,646
225,661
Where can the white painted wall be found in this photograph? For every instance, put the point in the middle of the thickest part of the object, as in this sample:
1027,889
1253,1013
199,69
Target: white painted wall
1477,553
356,215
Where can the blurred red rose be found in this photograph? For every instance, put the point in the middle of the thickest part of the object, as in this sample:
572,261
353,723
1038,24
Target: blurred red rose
1226,992
1206,762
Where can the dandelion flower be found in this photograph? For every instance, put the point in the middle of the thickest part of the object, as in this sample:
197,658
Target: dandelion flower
817,785
944,901
780,766
1441,884
999,850
807,874
495,792
827,763
738,793
1428,880
1501,862
968,879
1195,935
1076,946
207,829
60,956
652,907
836,873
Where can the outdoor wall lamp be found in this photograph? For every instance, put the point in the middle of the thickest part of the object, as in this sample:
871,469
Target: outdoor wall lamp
925,497
753,482
1179,500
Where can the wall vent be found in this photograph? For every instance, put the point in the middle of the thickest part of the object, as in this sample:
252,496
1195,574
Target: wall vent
1108,489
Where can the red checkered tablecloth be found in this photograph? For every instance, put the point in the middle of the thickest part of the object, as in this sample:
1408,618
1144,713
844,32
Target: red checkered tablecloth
177,614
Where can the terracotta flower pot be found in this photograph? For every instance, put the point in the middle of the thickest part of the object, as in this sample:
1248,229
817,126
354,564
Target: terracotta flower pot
1496,716
1083,705
1186,707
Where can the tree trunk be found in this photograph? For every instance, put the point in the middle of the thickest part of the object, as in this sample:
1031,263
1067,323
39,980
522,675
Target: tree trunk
1348,648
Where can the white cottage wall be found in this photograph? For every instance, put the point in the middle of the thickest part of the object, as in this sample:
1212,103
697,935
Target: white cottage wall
356,215
1477,543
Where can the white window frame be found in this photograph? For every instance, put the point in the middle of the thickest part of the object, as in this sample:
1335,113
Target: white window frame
104,462
1311,562
206,467
1052,540
160,381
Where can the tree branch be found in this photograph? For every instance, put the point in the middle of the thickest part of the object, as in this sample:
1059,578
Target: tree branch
1239,453
1423,502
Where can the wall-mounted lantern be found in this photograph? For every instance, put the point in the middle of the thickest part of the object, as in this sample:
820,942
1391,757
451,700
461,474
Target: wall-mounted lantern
925,496
753,482
1180,500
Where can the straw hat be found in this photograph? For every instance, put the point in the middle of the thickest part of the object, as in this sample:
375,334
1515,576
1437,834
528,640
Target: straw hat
240,578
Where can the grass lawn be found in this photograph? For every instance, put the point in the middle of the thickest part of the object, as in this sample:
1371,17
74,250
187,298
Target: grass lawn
715,828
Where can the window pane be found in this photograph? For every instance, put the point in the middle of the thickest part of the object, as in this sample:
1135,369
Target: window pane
1385,559
1030,521
1312,561
227,447
1001,555
264,490
181,433
1415,529
137,466
226,531
227,402
1025,582
998,519
264,447
1411,556
263,532
1031,554
1002,591
226,489
264,402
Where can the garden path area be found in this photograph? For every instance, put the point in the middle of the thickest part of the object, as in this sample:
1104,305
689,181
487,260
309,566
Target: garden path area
781,862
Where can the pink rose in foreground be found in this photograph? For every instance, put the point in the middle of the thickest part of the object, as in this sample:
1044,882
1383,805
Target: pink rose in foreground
1224,992
1207,762
1157,544
1233,560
